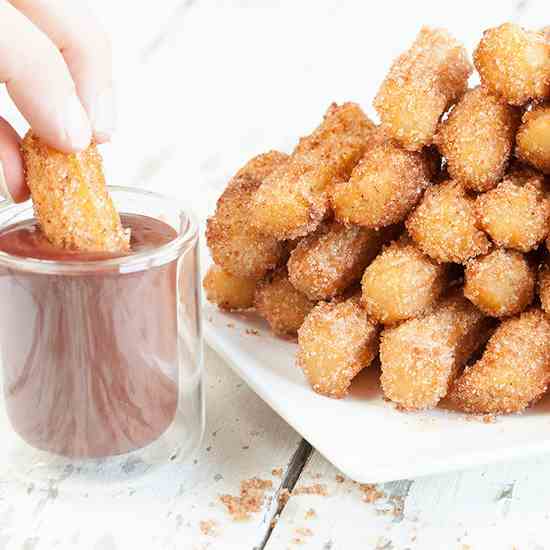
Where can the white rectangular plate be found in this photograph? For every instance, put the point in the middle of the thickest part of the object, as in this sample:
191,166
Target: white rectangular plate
363,435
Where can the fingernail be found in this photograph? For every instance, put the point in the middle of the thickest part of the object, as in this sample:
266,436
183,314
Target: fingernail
104,115
76,124
4,191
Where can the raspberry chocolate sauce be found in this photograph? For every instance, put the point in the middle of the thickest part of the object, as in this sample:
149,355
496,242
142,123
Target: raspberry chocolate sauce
89,357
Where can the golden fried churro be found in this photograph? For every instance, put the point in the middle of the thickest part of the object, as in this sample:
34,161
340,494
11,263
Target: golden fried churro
514,63
421,84
328,261
502,283
401,283
280,304
227,291
514,370
292,201
544,286
533,138
421,357
516,213
477,139
336,341
443,225
235,244
70,198
384,186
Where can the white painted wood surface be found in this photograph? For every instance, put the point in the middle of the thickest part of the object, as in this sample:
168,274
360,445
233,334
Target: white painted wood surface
203,85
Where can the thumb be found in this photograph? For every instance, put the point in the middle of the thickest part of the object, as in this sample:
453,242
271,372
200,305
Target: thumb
12,173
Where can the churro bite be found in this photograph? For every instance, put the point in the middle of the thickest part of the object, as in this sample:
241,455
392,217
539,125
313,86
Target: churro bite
444,227
514,63
502,283
422,83
385,185
402,283
533,138
292,200
234,242
544,286
516,213
421,357
280,304
70,198
514,370
327,262
477,139
227,291
336,341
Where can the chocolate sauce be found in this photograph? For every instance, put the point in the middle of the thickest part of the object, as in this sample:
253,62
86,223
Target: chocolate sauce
90,359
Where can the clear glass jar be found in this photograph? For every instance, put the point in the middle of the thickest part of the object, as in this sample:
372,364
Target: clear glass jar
102,359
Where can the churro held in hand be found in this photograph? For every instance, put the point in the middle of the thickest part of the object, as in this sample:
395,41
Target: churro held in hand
70,198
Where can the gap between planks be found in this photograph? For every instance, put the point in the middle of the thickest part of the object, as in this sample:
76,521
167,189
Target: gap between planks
296,465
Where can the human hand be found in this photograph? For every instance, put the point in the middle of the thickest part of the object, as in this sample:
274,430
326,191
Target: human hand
55,60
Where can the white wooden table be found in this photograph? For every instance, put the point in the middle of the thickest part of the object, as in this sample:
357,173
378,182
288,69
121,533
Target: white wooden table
204,85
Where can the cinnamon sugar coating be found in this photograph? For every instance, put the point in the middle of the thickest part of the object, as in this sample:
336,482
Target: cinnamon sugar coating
70,198
292,201
235,244
533,138
516,214
502,283
325,263
477,139
422,83
443,225
514,370
514,63
227,291
385,185
402,283
280,304
336,341
421,357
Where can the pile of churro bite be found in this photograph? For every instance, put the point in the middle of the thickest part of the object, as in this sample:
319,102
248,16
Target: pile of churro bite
421,241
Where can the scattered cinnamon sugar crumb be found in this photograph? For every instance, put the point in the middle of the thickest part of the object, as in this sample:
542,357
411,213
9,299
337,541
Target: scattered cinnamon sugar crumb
310,514
297,540
284,495
489,419
304,531
250,500
230,325
316,489
208,527
277,472
340,478
370,492
252,331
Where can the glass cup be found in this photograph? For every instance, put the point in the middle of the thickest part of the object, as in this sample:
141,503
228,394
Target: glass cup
102,359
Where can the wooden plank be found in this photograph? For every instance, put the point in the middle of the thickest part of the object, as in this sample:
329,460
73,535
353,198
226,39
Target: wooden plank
499,507
244,438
